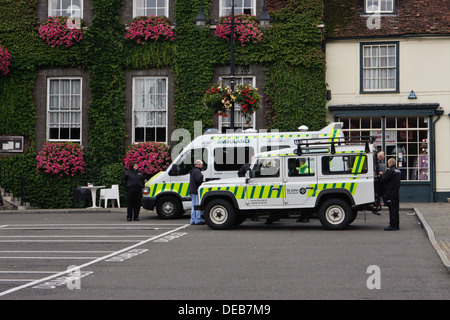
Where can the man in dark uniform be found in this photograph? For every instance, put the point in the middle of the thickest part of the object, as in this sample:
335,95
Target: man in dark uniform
133,181
391,182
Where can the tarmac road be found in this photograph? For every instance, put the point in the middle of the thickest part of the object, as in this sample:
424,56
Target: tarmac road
156,259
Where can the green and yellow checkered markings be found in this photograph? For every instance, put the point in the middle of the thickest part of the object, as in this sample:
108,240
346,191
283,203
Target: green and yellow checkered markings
333,134
239,192
359,164
265,192
181,188
316,188
253,192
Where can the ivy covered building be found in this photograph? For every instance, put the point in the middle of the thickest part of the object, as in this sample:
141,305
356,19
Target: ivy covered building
104,90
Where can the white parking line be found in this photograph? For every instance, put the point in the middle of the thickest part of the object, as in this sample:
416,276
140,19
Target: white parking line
15,271
16,280
89,236
70,270
51,258
55,252
69,240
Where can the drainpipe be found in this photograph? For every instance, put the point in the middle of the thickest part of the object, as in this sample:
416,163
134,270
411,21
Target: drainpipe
439,113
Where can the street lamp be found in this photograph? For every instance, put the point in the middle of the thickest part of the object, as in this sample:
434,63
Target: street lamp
264,21
200,20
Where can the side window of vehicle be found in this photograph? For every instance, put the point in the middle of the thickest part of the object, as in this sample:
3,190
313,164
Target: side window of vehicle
232,158
303,166
185,163
274,147
352,164
266,168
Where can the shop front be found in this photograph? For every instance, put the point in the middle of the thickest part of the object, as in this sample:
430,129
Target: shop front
405,132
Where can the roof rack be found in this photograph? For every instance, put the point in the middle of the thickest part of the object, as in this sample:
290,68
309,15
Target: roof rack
357,140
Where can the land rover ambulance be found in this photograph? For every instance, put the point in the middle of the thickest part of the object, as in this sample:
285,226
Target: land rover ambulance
331,180
223,155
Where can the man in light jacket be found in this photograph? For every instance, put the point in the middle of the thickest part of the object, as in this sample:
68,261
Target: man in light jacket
196,179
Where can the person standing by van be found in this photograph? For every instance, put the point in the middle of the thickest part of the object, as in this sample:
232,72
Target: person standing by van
381,170
133,181
391,182
195,180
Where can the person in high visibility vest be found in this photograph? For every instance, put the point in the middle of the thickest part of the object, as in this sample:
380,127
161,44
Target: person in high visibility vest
304,168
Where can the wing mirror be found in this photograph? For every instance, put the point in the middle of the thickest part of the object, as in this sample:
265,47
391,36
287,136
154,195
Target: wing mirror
248,175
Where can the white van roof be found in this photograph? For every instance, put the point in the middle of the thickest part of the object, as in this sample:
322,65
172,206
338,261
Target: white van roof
333,129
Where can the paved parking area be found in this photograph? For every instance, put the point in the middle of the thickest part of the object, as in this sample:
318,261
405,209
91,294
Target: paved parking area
47,255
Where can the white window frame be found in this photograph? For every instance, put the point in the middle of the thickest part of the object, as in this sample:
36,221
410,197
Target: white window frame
166,110
237,10
52,3
166,9
237,124
48,125
376,6
414,146
379,68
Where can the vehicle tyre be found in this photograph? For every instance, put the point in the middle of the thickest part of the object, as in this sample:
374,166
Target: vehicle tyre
219,214
240,218
335,214
354,215
169,207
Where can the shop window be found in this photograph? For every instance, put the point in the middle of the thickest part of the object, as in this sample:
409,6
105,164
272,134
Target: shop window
406,138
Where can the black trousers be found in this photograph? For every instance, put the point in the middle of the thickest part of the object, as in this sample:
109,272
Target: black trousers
394,207
134,197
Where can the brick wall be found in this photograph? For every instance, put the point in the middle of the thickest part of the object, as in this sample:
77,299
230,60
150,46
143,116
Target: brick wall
346,18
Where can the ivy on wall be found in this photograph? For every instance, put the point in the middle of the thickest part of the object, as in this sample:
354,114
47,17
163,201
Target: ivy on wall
290,53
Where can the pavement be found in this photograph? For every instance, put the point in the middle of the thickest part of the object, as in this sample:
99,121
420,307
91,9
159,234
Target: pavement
434,218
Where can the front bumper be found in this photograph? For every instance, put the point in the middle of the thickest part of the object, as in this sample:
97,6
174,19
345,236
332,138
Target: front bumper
148,203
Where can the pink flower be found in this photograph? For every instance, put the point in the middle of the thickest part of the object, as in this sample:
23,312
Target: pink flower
152,28
151,157
56,32
60,158
5,60
246,31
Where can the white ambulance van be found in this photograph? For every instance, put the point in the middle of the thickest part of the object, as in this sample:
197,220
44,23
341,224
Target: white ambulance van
222,155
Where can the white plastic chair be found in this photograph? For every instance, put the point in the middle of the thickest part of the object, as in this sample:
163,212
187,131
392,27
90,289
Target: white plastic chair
110,194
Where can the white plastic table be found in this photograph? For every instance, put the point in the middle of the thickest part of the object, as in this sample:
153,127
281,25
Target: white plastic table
94,194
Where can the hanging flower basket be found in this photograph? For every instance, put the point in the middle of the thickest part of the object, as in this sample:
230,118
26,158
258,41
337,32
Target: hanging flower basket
60,31
146,29
248,98
219,99
246,31
5,60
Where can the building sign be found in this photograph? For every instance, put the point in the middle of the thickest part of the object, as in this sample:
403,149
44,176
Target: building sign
11,144
390,136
